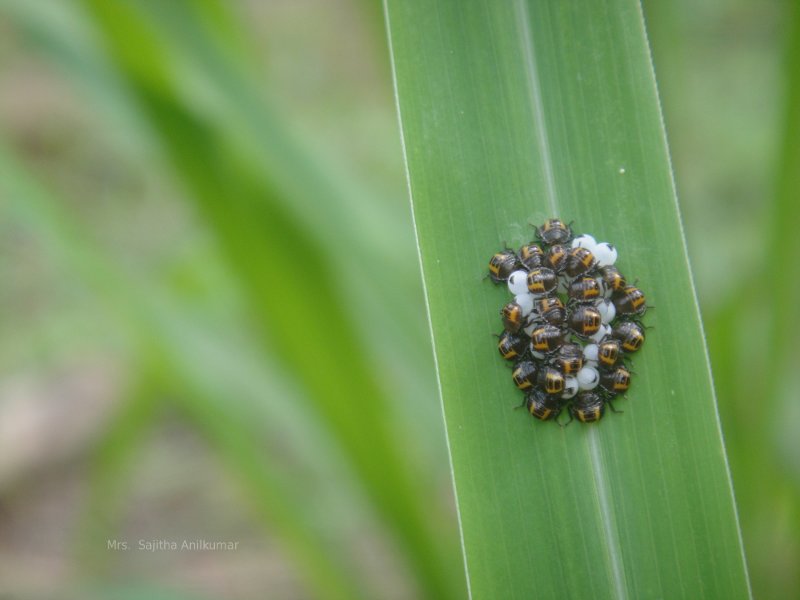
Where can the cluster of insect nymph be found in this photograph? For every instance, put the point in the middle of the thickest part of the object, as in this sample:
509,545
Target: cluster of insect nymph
572,325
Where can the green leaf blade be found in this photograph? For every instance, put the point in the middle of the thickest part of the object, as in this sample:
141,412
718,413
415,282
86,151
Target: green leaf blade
512,113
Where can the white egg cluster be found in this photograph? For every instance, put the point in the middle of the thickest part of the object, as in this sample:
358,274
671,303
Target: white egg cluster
571,325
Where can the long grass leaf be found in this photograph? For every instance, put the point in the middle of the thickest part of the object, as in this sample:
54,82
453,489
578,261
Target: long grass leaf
511,113
205,401
241,203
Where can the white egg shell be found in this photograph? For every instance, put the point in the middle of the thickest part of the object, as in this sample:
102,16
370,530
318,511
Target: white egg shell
590,352
584,241
607,311
601,284
588,378
571,388
518,282
538,355
529,328
602,332
525,302
605,253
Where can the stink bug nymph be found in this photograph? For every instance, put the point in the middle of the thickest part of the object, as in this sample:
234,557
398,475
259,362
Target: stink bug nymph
551,310
585,321
630,301
617,381
543,406
551,381
580,261
612,278
531,256
511,345
556,258
569,359
609,352
513,319
631,334
524,374
554,231
547,339
542,281
587,407
501,265
584,289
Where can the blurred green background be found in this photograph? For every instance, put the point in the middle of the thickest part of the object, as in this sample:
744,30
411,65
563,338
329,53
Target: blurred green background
211,317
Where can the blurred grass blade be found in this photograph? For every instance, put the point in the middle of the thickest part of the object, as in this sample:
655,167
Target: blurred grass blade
512,112
205,401
786,211
108,470
310,327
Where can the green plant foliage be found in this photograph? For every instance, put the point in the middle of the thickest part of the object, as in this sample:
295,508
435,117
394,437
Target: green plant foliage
167,339
239,196
739,178
510,113
314,261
